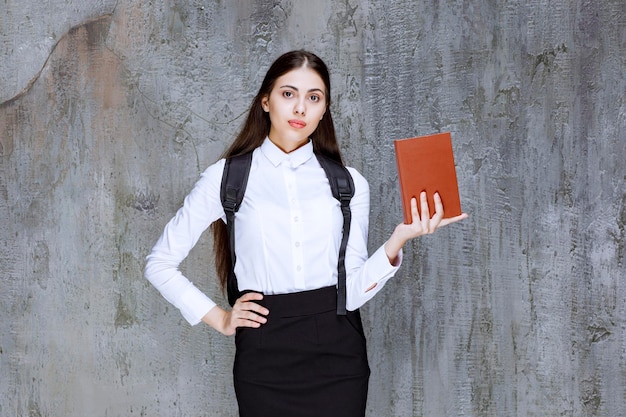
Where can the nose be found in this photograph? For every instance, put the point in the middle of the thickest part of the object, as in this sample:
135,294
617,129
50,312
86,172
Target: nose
299,108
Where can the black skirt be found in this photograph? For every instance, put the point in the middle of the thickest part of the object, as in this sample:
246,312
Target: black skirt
306,361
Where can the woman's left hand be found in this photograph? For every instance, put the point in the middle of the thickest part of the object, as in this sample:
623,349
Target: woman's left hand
421,225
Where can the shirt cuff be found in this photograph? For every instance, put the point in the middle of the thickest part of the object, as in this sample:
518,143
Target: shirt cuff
378,266
194,305
381,266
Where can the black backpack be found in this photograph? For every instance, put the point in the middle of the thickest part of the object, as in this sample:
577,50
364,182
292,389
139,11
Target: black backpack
233,188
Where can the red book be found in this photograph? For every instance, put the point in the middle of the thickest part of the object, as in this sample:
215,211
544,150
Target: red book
426,163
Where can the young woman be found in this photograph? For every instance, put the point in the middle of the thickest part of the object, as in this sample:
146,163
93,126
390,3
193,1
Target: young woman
295,355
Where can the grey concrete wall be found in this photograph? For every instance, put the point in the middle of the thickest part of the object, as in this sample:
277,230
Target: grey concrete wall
109,110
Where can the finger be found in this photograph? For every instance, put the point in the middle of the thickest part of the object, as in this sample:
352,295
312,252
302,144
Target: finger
438,216
246,303
248,323
251,296
254,308
454,219
242,322
415,216
249,319
425,217
250,306
246,318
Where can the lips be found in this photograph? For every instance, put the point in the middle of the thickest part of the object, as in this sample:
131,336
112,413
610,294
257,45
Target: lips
298,124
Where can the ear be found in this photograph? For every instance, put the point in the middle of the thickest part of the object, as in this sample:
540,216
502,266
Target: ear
265,104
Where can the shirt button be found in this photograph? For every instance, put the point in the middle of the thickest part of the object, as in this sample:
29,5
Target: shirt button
298,268
295,219
297,244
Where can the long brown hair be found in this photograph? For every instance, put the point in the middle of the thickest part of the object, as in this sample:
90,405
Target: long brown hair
256,128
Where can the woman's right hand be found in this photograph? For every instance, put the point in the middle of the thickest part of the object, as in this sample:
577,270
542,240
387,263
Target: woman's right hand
245,313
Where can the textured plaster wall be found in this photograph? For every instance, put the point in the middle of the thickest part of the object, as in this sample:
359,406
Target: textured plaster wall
109,111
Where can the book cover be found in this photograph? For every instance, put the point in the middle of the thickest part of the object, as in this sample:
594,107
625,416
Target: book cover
426,163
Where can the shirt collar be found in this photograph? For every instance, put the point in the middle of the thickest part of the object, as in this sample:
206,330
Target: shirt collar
296,158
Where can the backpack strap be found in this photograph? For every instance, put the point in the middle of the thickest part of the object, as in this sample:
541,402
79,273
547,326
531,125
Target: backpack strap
342,187
233,188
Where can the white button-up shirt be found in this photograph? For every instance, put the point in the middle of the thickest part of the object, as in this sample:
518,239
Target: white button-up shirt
287,233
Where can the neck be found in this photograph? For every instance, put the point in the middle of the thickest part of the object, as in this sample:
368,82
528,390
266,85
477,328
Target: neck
289,146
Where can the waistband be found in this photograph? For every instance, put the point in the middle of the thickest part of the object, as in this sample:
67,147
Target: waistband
301,303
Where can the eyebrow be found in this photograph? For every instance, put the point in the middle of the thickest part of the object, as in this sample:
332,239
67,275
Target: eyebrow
295,88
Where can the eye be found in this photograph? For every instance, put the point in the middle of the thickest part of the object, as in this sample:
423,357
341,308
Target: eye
315,98
287,94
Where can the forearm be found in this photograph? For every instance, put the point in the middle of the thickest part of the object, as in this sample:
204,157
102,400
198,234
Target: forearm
394,244
216,318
